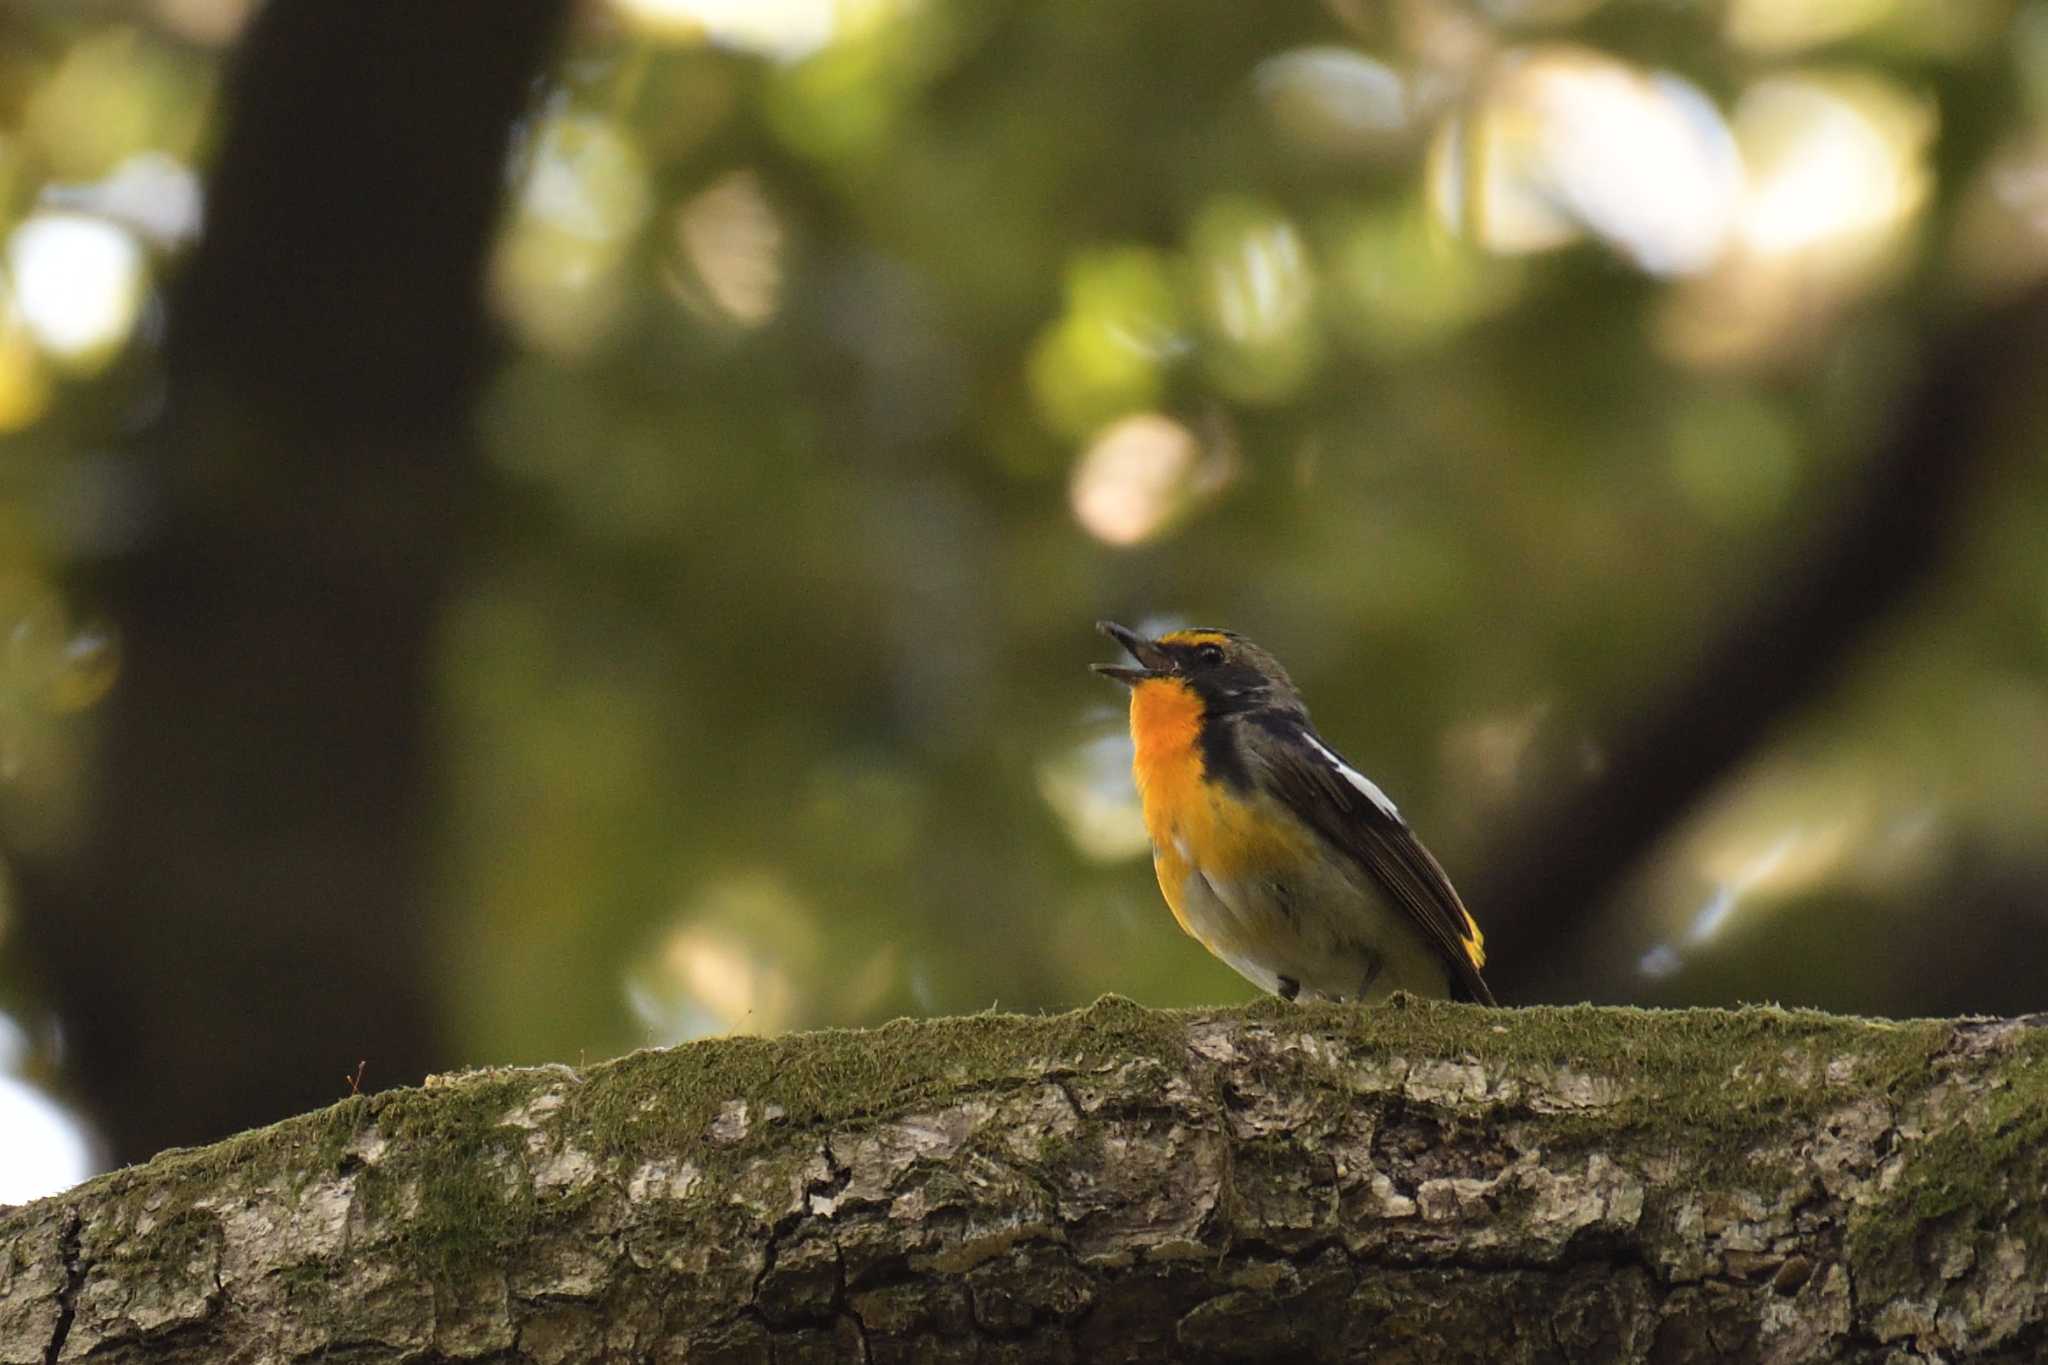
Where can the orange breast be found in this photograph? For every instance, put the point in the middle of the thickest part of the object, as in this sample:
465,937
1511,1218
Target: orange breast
1166,732
1195,823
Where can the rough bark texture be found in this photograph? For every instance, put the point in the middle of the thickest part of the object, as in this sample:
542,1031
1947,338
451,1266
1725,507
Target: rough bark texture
1413,1183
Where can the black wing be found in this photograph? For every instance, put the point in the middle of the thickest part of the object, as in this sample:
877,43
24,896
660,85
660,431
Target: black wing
1354,815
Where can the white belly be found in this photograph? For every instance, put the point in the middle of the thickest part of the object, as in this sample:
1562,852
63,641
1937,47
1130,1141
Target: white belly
1335,937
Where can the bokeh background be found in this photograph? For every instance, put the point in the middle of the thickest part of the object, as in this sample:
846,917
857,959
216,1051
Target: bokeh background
530,537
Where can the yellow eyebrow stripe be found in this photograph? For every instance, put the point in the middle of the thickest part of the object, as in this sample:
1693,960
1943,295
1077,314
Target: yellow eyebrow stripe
1195,637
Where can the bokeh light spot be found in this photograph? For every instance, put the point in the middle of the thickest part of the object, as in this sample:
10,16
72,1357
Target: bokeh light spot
1837,169
2001,240
1107,353
1779,26
1257,291
730,241
211,23
78,283
87,668
42,1148
1088,785
152,193
1140,475
1335,101
585,179
581,205
25,382
1831,160
106,99
1565,140
1406,283
732,961
787,29
48,666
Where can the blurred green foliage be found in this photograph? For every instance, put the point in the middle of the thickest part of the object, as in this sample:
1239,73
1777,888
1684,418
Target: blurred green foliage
1471,356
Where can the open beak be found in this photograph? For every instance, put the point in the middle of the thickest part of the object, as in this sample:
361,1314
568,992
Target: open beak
1151,658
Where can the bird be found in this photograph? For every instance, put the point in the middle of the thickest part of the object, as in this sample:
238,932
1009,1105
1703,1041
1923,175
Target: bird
1274,853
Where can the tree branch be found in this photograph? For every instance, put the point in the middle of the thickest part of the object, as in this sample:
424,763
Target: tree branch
1890,533
1115,1184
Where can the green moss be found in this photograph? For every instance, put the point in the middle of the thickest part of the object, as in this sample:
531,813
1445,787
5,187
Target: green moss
1057,1149
339,1124
1985,1168
841,1076
181,1243
452,1150
315,1277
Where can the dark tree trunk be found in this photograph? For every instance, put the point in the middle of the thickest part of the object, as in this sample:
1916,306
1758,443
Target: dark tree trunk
247,917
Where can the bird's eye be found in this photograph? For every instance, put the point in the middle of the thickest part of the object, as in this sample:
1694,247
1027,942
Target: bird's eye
1208,655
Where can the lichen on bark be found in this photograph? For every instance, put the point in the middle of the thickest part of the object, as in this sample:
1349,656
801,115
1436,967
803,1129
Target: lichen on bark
1415,1182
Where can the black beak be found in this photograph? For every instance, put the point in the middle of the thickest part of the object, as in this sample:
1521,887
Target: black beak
1153,659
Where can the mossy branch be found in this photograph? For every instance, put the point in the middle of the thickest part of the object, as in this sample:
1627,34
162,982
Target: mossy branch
1427,1182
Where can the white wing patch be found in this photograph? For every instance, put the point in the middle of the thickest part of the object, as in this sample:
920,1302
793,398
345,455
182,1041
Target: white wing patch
1365,785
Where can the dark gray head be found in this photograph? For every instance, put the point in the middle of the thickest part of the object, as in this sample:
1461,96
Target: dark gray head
1227,671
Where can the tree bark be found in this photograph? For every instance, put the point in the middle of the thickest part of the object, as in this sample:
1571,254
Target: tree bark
1416,1182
